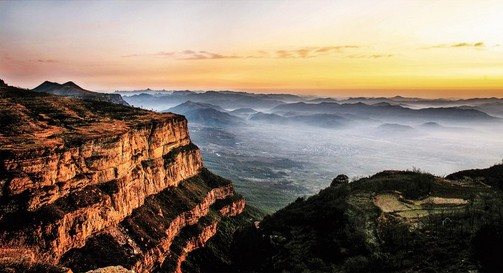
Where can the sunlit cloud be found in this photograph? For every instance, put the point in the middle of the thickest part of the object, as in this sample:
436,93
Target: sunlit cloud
330,49
164,53
189,55
460,45
158,54
46,61
312,52
370,56
300,53
284,54
135,55
203,55
479,44
303,53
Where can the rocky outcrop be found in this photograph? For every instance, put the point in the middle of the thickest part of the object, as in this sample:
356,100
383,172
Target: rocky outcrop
203,234
111,269
200,235
108,185
144,238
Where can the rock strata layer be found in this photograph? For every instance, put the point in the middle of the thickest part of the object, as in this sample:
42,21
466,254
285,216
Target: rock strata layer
88,185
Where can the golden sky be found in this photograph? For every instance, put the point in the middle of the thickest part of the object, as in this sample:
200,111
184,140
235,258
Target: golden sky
425,48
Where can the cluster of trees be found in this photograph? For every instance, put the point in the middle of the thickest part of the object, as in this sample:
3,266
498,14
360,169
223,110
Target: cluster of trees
317,234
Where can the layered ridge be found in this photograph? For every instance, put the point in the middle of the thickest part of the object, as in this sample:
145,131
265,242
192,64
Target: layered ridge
151,236
79,177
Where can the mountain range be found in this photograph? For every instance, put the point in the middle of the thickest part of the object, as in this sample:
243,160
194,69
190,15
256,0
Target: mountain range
327,115
207,114
70,89
232,100
224,99
385,110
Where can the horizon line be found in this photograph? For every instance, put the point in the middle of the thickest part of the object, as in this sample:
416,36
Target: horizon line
398,92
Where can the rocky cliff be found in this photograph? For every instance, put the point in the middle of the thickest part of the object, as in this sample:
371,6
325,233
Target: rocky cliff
90,184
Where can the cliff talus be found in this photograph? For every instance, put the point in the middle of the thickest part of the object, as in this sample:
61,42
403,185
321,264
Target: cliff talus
80,177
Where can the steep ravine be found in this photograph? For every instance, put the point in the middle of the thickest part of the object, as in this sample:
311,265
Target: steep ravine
90,184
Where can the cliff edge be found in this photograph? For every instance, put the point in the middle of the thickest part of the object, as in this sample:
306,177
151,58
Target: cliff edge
89,184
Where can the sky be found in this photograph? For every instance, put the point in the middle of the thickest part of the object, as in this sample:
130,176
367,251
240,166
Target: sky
422,48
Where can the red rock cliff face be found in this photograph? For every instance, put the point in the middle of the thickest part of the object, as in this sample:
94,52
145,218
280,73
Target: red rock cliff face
201,236
151,235
88,185
49,174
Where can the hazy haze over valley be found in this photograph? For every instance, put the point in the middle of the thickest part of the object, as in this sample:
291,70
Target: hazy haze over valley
278,147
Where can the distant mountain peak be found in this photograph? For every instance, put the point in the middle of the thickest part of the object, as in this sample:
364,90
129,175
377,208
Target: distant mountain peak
198,104
430,124
189,102
47,84
382,104
205,113
192,105
72,84
71,89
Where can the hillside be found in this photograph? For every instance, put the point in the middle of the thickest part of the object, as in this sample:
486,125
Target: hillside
70,89
393,221
91,184
492,176
386,111
224,99
206,114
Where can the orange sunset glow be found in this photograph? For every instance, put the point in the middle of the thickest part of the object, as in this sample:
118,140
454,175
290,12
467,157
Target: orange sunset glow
335,48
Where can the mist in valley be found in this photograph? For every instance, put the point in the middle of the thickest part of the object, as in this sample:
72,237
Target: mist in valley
279,147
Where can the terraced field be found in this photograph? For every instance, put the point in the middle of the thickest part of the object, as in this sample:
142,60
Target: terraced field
412,210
